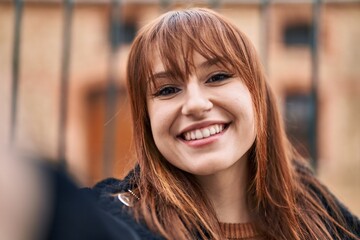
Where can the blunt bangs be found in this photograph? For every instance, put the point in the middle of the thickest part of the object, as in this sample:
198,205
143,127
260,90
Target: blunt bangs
176,35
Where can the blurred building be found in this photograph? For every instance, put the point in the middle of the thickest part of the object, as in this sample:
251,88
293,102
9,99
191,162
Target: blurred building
98,140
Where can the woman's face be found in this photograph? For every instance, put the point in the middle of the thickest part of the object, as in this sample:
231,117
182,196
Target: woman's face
202,125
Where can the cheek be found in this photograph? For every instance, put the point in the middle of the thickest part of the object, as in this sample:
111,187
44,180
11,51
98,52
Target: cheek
244,107
159,120
252,123
246,113
152,117
251,118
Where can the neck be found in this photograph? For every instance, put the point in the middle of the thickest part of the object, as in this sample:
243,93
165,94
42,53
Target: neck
227,191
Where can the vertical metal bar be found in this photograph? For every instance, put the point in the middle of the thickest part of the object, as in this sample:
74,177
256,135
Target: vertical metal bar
316,11
264,32
110,110
15,70
165,4
214,4
64,86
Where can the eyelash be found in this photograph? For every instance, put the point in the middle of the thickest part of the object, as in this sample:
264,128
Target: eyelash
170,90
164,91
222,76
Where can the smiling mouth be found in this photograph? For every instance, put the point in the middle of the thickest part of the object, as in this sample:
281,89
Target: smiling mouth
205,132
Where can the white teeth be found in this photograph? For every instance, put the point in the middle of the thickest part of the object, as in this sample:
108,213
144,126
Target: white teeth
212,130
192,135
198,134
204,132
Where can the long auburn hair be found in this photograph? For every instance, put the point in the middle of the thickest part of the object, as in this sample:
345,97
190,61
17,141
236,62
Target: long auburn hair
282,192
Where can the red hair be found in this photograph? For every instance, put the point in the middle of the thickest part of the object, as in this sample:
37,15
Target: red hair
172,203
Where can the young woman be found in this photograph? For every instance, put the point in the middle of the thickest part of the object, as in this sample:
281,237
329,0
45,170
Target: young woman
213,158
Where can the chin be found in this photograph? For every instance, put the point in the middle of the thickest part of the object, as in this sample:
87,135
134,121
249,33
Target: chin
205,170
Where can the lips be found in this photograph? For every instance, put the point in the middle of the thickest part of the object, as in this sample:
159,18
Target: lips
205,132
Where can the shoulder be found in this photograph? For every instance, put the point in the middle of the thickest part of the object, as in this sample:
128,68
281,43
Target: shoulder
331,204
106,191
106,194
114,185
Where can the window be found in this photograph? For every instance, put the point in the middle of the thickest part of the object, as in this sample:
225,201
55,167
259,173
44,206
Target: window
300,123
122,32
297,35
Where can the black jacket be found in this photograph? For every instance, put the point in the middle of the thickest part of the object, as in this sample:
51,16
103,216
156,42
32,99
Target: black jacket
106,193
71,214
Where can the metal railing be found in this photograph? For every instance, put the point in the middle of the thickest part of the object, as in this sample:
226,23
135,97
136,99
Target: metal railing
68,14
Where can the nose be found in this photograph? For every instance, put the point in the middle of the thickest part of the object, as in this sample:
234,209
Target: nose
196,101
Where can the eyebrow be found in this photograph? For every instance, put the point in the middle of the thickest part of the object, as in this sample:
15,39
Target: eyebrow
206,64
